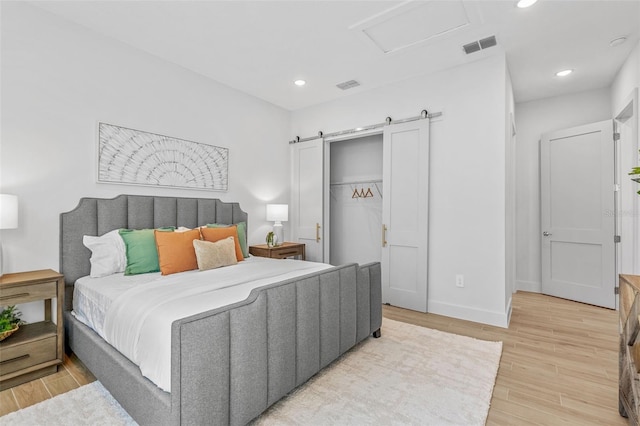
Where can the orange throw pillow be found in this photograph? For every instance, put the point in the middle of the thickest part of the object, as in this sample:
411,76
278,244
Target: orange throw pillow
217,234
176,252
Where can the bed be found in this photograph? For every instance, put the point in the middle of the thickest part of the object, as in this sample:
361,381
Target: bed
228,364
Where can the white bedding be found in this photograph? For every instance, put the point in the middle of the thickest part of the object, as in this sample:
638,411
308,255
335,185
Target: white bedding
134,313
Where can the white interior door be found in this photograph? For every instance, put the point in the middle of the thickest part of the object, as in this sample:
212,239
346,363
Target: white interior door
307,196
577,203
405,214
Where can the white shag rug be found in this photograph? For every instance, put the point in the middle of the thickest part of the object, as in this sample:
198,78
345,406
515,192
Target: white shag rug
412,375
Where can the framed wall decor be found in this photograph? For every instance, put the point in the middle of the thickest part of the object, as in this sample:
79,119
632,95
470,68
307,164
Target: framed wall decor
129,156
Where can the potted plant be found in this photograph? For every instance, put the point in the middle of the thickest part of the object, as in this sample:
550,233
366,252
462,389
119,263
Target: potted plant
272,239
9,321
636,171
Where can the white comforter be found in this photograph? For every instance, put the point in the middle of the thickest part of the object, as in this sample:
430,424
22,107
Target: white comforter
137,321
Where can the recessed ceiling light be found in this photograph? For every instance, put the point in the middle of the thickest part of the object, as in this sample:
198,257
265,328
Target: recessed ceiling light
299,82
564,73
526,3
617,41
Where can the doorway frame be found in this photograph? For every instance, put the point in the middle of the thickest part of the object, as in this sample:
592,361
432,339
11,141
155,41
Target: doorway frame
326,234
628,113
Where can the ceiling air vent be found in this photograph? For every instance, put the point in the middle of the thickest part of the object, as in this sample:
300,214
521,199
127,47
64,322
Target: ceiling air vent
476,46
488,42
471,47
348,85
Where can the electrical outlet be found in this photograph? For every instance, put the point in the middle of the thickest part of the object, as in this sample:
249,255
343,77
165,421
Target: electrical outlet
459,280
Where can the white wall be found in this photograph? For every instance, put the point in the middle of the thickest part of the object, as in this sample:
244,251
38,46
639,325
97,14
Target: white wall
532,120
510,193
59,79
356,159
467,181
626,80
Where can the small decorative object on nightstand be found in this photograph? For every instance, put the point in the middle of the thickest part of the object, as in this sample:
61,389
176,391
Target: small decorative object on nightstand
10,321
35,350
282,251
272,239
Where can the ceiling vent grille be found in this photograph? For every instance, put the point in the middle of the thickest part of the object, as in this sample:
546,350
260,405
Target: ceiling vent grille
471,47
476,46
485,43
348,85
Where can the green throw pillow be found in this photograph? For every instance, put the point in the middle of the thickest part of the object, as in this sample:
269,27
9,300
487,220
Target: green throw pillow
242,234
142,253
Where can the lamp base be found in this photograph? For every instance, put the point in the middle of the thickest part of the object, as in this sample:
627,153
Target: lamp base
278,230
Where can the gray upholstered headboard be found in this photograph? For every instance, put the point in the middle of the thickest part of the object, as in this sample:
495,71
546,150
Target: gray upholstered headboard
97,216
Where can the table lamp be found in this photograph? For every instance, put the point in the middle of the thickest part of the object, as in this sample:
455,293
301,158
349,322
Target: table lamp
8,216
278,213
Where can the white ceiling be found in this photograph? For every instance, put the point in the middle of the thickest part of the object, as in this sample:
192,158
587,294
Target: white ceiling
261,47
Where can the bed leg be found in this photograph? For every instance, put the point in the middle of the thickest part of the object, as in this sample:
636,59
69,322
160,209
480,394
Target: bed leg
377,334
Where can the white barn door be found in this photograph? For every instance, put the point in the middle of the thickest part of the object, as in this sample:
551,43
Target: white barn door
307,196
405,214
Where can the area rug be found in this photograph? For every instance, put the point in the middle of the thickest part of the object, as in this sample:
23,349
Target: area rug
90,404
412,375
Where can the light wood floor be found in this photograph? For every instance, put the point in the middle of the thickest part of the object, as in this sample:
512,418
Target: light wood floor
72,374
559,364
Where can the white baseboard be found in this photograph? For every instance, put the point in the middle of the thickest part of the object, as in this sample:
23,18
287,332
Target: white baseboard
532,286
509,311
498,319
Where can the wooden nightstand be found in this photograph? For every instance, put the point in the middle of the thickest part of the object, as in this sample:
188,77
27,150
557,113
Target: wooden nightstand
282,251
36,349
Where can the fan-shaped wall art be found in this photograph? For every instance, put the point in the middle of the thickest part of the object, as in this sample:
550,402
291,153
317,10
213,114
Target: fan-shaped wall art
131,156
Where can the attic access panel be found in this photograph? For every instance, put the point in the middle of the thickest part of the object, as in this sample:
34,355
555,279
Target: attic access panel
413,23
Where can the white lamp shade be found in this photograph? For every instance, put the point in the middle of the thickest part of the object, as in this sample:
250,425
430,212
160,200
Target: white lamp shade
8,211
277,212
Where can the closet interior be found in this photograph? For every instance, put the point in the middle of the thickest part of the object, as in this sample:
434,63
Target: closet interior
355,200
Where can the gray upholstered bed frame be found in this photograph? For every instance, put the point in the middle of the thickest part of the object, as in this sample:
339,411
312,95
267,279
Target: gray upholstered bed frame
228,364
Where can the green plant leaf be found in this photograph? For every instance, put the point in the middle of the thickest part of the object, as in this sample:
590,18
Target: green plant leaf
9,318
636,171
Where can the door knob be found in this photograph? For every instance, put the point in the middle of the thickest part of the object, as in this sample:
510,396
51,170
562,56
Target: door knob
546,234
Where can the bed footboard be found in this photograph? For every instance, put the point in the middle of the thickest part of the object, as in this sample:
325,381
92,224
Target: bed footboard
141,398
230,364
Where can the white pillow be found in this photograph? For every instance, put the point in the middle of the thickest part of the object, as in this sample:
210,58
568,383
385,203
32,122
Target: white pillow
108,253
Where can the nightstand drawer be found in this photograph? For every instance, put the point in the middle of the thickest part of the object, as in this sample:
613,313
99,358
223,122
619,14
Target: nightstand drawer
27,293
23,356
282,251
283,254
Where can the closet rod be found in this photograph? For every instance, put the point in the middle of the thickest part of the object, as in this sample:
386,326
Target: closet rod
388,121
357,182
